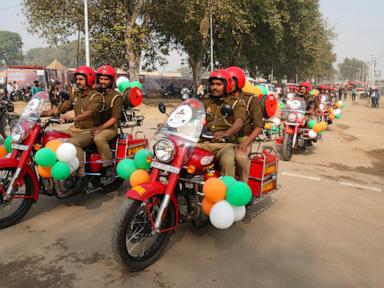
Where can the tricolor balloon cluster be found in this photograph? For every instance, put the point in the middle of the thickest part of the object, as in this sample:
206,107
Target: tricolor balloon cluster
57,160
224,200
316,128
336,113
123,83
6,147
135,170
274,126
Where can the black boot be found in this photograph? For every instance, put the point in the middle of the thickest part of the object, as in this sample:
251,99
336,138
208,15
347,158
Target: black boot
80,185
109,171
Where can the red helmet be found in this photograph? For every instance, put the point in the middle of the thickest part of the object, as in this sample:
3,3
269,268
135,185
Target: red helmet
106,70
238,75
306,85
88,73
224,76
322,87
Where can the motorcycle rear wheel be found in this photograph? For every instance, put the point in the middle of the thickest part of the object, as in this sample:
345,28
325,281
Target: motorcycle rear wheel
21,202
287,149
133,227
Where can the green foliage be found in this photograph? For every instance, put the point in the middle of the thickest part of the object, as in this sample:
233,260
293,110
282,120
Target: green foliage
10,45
350,68
66,53
290,37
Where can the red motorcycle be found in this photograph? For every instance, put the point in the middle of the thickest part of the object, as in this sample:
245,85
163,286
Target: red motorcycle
20,184
322,114
174,194
295,133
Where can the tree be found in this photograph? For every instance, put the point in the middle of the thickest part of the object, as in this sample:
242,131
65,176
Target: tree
116,35
10,48
186,24
350,69
66,53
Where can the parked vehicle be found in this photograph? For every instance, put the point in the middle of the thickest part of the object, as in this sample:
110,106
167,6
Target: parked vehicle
7,117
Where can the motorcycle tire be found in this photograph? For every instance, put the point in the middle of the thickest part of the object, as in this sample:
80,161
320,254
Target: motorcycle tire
287,149
131,210
25,203
6,128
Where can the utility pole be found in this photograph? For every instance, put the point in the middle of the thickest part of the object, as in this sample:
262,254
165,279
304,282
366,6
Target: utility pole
86,33
211,30
373,71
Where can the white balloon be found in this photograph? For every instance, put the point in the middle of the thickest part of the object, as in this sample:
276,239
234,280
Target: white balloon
74,164
276,121
66,152
222,215
239,212
340,102
337,111
121,79
312,134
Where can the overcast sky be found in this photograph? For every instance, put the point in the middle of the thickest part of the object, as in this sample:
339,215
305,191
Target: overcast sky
358,25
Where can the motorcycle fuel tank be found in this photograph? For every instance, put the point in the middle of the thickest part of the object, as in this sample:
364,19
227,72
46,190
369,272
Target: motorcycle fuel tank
52,135
200,159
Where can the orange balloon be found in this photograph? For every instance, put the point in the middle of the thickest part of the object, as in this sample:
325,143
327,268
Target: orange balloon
3,151
138,177
317,128
214,190
331,116
324,125
44,172
206,206
53,145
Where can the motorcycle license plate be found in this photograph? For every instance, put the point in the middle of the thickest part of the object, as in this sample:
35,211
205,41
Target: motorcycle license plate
165,167
19,147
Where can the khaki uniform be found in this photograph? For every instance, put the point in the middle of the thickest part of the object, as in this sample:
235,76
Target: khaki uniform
113,105
224,152
80,102
254,120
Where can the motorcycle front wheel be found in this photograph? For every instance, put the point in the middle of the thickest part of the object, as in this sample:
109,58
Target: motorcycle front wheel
287,149
134,243
13,210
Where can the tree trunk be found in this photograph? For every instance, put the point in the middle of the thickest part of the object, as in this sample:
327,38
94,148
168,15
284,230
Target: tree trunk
196,70
133,53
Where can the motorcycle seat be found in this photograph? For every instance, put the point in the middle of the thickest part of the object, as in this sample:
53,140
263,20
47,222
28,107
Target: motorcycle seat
93,148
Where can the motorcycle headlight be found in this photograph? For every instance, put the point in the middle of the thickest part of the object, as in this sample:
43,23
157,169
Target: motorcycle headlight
292,117
18,133
164,150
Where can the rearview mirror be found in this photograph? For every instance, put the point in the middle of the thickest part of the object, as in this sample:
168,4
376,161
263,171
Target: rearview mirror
226,110
162,107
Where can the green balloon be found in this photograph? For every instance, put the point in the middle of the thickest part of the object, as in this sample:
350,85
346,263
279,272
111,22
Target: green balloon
338,116
45,157
136,84
281,104
125,168
8,143
311,123
228,181
239,194
124,85
263,89
141,159
60,171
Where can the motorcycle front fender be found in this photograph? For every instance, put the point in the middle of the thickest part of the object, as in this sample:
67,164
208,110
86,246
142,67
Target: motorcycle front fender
12,163
146,191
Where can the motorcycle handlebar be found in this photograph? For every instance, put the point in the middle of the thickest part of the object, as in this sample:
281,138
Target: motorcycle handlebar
210,137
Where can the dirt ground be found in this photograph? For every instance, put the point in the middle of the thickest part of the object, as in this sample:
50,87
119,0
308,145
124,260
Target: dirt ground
324,227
